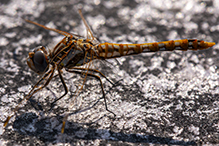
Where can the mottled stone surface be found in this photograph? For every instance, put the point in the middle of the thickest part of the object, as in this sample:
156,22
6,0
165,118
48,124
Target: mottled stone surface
161,98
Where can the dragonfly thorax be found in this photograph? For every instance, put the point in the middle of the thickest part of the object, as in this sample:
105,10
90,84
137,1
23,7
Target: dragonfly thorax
37,60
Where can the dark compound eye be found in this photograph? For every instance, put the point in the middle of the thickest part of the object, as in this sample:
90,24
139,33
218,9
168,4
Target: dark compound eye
39,58
40,62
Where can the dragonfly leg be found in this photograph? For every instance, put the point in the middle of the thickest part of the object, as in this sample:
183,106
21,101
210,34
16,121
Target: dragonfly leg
95,70
65,87
98,78
49,74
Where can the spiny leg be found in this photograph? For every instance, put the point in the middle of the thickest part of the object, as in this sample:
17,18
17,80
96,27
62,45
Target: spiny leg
97,71
89,74
65,87
92,75
98,78
32,91
94,70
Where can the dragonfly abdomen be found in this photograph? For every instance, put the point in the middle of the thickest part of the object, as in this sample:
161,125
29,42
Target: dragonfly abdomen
112,50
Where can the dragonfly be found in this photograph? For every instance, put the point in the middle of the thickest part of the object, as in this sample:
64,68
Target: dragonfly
74,51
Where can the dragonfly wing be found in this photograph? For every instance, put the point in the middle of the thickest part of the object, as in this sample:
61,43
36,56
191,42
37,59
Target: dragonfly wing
89,33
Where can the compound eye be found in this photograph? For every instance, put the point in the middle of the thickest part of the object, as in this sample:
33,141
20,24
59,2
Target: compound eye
39,58
40,62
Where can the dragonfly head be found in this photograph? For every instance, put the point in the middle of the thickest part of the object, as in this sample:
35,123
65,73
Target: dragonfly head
37,60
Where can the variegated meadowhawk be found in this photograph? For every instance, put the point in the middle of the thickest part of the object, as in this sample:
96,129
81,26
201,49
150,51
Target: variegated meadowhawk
73,51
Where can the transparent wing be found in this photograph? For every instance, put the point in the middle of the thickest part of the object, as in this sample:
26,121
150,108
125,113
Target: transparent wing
88,30
53,29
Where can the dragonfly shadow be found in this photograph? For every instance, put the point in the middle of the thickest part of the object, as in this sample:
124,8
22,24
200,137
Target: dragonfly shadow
28,124
48,129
